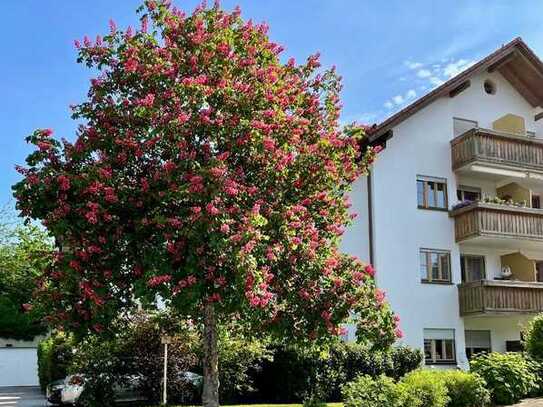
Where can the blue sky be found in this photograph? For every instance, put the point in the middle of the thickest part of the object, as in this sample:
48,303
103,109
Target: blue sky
389,53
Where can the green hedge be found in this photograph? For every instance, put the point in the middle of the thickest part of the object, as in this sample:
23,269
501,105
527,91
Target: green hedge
420,388
509,376
55,356
294,374
533,338
368,391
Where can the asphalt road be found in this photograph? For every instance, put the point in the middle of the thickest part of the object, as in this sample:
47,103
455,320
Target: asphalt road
21,397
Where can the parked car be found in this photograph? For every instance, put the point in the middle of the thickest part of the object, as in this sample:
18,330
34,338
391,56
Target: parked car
68,391
53,392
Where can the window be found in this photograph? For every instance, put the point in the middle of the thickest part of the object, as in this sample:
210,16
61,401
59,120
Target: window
536,201
489,87
477,342
460,126
472,268
432,193
465,193
435,266
513,346
439,346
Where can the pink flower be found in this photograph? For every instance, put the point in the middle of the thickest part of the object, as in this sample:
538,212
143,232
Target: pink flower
112,26
159,280
64,182
225,228
27,307
169,166
211,209
47,132
147,101
44,146
369,270
131,65
217,171
398,333
91,217
183,117
379,296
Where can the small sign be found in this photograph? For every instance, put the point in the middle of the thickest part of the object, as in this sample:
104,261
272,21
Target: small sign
166,340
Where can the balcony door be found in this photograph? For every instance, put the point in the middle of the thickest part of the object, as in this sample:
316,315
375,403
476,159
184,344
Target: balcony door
472,267
539,271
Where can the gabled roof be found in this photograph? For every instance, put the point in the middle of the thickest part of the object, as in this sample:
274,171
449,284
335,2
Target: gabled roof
515,61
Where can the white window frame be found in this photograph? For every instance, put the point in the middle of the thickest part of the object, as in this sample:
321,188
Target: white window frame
448,336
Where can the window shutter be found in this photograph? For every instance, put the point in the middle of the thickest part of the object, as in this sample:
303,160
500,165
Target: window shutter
478,339
439,334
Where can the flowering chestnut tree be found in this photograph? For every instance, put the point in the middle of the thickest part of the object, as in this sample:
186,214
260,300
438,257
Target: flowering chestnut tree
207,172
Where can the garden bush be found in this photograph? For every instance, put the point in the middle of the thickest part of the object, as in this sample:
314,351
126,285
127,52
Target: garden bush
368,391
465,389
345,361
55,356
293,374
509,376
533,338
423,388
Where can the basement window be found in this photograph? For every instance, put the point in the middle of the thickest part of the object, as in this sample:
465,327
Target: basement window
439,346
477,342
489,87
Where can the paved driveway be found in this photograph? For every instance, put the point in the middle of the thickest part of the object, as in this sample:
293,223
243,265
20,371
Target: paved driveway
530,403
21,397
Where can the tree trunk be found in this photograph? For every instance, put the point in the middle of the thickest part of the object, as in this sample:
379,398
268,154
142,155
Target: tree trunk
210,394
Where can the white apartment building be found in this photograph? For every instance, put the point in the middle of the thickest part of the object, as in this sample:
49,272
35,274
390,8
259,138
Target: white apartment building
463,278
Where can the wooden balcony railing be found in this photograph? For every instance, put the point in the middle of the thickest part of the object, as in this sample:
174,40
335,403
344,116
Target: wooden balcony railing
500,297
497,221
497,149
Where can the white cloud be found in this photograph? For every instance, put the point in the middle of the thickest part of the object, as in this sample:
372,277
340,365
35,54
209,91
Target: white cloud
413,65
435,81
424,73
398,99
455,67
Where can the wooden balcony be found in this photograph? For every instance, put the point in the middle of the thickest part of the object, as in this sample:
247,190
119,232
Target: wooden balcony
497,297
499,225
497,150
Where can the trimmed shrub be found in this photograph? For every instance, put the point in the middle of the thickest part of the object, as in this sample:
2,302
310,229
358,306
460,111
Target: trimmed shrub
371,392
509,376
404,360
533,338
465,389
423,388
55,356
293,374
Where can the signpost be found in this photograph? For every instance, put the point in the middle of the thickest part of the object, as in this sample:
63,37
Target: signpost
166,340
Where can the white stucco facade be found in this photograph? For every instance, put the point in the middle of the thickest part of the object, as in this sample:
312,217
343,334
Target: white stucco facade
420,146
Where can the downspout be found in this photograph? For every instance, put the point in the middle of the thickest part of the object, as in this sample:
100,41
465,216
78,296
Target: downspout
370,217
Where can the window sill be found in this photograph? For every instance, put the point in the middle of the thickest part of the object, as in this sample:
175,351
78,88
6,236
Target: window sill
436,282
431,208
